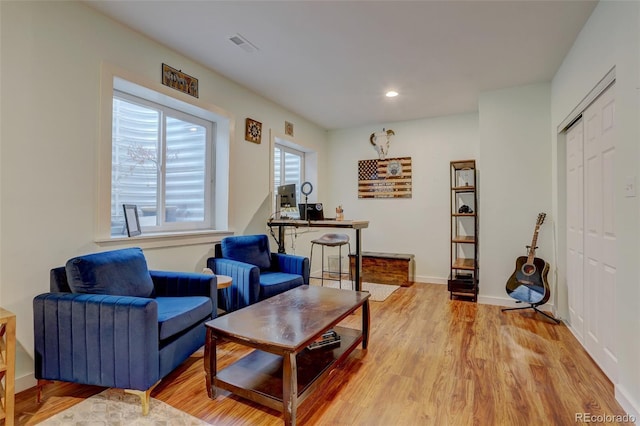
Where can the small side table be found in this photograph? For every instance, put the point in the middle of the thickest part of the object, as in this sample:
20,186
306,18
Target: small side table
7,365
224,281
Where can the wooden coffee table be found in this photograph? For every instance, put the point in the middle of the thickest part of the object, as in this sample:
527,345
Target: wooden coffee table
282,372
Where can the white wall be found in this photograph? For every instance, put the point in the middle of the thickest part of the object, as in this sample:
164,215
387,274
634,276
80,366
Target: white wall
611,38
51,55
515,177
509,138
418,225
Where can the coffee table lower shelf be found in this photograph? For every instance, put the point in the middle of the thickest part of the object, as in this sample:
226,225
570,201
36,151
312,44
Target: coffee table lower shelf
258,375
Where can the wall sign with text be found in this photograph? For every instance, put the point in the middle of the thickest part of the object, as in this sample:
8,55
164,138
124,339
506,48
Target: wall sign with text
178,80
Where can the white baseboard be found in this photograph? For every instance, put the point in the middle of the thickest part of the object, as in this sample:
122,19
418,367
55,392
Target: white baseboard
631,407
25,382
505,301
417,279
508,302
575,334
430,280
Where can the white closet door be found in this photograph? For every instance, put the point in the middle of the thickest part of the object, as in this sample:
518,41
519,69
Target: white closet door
600,233
575,230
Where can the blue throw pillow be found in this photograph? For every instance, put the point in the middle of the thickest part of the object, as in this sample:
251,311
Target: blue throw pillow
118,272
252,249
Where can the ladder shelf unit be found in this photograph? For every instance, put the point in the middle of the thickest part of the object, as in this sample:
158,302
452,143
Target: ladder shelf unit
463,278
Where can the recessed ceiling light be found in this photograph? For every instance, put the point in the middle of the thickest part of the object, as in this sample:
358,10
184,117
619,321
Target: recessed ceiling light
391,94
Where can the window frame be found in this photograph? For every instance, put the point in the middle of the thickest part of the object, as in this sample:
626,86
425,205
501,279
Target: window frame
284,149
113,77
166,112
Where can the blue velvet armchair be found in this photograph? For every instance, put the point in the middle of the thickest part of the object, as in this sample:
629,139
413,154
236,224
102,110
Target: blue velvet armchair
109,321
256,272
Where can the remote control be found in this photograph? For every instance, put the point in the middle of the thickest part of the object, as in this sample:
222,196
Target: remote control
329,334
326,343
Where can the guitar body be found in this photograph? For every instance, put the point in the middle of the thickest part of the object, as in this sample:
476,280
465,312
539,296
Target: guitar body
528,283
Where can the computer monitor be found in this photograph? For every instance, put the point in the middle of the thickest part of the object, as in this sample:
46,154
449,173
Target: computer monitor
287,195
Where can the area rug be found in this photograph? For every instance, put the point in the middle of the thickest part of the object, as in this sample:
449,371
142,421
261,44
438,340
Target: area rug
379,292
114,407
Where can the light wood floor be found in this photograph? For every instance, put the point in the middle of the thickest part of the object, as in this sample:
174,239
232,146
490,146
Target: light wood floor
431,361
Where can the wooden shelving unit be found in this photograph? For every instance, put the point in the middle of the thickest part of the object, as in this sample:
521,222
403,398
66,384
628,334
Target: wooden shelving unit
7,365
463,279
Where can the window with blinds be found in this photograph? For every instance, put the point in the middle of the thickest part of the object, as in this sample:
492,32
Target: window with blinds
162,163
288,167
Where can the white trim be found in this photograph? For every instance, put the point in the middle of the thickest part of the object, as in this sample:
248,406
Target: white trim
430,280
508,302
576,113
166,239
224,134
166,108
25,382
625,399
309,165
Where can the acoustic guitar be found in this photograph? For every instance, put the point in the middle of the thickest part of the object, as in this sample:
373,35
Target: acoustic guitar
528,283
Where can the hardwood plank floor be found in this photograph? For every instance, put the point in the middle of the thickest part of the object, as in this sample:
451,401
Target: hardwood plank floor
431,361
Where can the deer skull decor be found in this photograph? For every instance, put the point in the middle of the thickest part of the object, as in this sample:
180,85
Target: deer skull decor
381,141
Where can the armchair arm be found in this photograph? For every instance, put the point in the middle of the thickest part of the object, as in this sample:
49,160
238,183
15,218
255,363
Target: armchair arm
176,284
291,264
245,288
96,339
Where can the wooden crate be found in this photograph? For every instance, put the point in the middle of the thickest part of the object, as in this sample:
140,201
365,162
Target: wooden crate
386,268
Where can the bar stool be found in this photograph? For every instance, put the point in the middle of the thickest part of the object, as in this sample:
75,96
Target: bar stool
330,240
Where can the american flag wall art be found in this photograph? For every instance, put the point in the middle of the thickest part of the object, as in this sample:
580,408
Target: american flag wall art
388,178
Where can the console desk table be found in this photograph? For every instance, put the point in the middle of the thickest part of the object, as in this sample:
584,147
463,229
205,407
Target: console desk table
358,225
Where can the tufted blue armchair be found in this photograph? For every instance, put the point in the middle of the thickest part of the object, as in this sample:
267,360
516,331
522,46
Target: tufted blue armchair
256,272
109,321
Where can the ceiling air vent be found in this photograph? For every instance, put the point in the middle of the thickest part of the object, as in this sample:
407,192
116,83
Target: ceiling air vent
243,43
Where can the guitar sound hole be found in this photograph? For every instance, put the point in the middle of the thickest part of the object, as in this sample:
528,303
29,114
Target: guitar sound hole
528,269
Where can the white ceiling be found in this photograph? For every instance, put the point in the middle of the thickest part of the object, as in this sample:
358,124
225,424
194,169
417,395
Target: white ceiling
332,61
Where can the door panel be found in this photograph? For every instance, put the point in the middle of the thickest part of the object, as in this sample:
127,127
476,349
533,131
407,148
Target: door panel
608,332
600,232
575,251
591,231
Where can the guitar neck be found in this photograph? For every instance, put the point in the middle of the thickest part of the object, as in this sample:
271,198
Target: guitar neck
534,242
